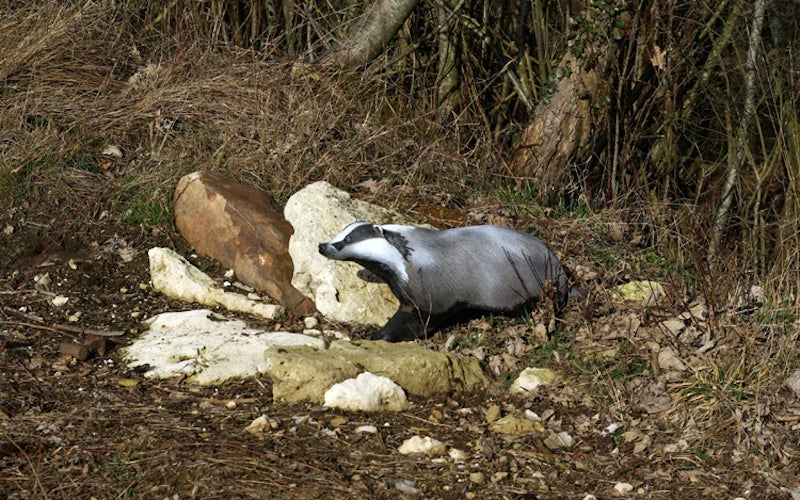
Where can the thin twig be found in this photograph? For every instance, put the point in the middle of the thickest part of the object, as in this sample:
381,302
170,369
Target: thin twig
58,327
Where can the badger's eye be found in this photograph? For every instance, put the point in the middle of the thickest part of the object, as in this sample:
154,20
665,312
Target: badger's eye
348,239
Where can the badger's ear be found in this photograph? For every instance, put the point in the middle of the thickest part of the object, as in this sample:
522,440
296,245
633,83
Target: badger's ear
379,229
398,241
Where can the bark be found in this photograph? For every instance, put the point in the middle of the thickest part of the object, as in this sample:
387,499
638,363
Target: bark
560,130
380,23
449,75
736,162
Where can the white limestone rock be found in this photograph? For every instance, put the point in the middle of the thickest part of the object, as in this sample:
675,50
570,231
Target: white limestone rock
318,212
205,347
623,488
417,445
176,277
367,392
531,378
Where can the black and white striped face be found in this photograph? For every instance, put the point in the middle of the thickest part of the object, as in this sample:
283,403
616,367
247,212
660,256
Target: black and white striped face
368,244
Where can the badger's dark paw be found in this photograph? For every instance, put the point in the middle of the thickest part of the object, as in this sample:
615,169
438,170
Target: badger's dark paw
392,336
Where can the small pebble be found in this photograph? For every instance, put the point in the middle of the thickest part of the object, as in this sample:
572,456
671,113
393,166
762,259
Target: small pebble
477,477
406,486
493,413
499,476
60,300
458,455
623,488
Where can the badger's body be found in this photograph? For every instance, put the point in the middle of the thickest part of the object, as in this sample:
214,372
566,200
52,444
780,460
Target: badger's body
436,275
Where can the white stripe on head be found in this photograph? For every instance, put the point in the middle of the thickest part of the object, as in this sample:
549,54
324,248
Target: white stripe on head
377,250
344,232
397,228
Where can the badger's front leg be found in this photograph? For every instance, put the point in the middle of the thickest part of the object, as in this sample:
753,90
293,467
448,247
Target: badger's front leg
405,325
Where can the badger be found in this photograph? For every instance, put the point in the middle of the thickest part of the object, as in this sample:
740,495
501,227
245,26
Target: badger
442,276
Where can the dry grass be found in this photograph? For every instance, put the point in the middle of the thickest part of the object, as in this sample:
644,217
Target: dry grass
81,85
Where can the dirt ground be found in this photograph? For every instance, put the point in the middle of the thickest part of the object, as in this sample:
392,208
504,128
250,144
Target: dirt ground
96,429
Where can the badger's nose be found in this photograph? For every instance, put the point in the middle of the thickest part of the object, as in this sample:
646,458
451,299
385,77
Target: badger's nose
322,248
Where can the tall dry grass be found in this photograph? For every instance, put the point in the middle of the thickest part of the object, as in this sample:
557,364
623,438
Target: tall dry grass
88,76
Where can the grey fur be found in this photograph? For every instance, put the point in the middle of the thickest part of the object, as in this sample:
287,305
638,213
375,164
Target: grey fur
477,268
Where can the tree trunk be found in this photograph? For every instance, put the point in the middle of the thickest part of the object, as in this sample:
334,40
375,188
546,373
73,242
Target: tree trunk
559,131
449,75
373,32
744,124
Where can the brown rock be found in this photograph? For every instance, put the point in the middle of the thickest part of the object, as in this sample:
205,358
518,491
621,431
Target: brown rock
242,228
77,351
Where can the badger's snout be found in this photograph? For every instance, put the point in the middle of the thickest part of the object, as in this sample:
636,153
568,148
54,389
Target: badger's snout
327,250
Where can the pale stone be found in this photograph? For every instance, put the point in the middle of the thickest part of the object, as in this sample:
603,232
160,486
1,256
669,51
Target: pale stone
112,150
513,425
422,446
367,392
300,373
205,347
244,229
458,455
493,413
556,441
531,378
59,300
623,488
175,277
406,487
258,425
477,477
318,212
369,429
499,476
646,293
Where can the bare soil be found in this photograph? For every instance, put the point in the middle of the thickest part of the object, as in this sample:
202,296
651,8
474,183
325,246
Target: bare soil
78,429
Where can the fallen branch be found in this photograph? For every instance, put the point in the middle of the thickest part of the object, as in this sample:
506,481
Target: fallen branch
57,328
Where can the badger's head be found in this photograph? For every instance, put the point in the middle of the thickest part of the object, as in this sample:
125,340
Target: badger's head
382,251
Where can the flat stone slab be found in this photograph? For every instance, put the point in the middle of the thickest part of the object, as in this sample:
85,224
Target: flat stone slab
175,277
305,372
205,347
